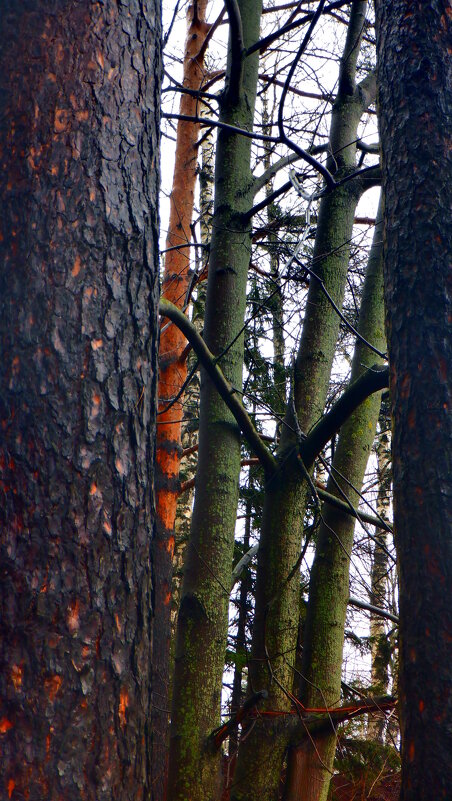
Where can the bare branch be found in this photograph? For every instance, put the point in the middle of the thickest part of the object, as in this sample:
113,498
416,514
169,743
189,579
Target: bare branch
243,563
376,610
271,79
373,380
330,182
263,43
219,735
317,724
339,312
362,517
264,179
372,147
225,389
269,199
235,65
209,122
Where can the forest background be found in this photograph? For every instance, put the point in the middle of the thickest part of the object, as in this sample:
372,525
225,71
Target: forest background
272,293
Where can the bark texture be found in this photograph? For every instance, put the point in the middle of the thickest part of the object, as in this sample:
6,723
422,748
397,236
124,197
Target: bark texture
415,106
79,100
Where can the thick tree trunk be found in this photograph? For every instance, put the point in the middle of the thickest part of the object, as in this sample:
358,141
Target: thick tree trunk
79,101
277,585
310,767
203,615
172,375
415,105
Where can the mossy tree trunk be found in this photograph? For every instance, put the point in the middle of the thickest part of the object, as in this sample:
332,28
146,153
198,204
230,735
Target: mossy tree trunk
79,177
203,615
310,766
277,586
414,43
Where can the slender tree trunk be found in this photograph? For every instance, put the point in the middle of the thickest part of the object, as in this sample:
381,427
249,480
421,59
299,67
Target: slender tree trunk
277,585
190,425
415,106
172,375
79,151
276,299
240,638
310,767
380,644
202,623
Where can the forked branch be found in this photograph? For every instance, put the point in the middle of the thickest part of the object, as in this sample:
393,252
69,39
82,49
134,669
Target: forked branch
225,389
373,380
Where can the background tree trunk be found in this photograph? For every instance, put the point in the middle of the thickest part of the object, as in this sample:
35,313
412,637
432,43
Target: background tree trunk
415,105
310,767
172,375
380,642
79,148
277,584
190,425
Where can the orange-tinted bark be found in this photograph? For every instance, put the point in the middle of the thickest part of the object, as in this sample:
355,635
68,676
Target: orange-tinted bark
79,178
172,374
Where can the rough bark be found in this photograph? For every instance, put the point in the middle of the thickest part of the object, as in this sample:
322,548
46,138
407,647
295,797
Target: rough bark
277,585
202,623
79,101
310,767
172,375
415,106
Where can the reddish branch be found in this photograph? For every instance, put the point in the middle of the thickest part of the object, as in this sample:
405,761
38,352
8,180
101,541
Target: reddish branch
249,707
310,720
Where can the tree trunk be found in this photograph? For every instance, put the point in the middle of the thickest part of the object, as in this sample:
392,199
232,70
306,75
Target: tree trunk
79,150
310,767
240,640
277,585
202,624
172,375
415,102
190,425
380,644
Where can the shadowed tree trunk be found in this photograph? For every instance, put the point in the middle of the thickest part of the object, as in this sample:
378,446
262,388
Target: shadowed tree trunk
415,106
172,375
79,101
